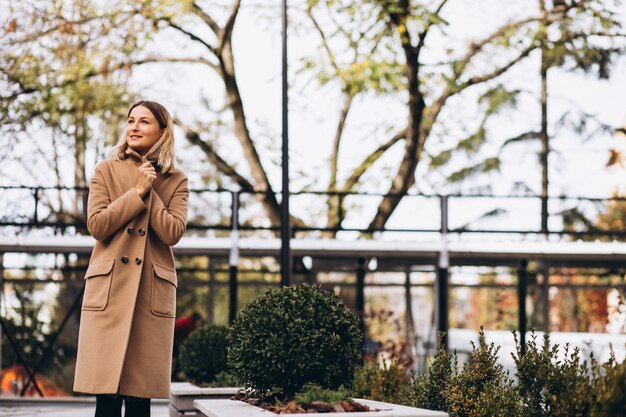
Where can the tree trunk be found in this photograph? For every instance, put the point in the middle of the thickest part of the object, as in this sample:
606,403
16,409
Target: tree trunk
405,176
336,211
242,132
543,135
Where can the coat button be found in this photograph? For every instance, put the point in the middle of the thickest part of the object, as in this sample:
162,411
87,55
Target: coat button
142,232
124,259
138,261
131,230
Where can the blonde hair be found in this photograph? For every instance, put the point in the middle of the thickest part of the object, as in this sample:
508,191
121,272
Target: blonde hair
163,151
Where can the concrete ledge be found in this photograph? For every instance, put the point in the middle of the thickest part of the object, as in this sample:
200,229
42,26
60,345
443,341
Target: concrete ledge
183,394
229,408
69,401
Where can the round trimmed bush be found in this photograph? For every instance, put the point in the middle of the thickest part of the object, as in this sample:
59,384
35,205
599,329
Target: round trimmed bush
292,336
203,354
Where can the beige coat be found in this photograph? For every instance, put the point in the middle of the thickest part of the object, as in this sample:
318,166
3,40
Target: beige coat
129,305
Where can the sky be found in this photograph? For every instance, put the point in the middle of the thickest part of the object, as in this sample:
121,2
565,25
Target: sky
314,110
577,168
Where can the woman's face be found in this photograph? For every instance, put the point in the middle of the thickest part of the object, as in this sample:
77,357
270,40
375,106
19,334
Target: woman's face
142,130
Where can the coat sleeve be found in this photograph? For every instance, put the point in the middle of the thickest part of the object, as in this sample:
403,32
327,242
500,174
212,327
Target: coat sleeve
169,223
105,217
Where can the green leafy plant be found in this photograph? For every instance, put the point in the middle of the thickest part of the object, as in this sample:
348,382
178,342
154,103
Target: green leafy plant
363,379
292,336
550,382
482,386
314,393
610,380
390,383
202,356
428,389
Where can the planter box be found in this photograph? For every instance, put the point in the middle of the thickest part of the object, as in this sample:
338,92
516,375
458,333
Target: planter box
230,408
183,394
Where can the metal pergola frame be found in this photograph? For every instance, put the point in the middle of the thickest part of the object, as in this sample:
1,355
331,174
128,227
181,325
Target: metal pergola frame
327,254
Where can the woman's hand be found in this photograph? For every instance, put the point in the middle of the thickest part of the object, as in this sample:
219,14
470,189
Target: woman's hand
145,176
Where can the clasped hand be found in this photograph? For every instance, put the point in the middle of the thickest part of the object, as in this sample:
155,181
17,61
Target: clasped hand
146,174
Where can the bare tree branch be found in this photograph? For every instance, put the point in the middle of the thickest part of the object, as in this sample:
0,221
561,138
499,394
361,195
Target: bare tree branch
224,167
64,23
417,130
358,172
106,70
226,33
320,31
191,35
499,71
206,18
334,156
422,36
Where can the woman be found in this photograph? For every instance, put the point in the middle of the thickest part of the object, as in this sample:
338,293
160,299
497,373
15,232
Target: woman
137,211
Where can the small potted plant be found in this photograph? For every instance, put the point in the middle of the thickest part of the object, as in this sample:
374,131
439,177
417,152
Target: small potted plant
202,359
295,349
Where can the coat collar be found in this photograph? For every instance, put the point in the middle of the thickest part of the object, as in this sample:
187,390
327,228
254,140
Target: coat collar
134,155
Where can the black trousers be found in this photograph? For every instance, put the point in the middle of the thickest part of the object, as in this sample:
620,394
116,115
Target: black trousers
111,406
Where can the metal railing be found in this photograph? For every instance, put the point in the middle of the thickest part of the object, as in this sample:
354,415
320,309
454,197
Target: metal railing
33,207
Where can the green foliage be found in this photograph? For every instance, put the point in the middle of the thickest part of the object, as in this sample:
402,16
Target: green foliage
481,387
313,392
550,383
363,379
292,336
26,329
487,165
429,389
566,387
610,380
223,379
390,383
203,354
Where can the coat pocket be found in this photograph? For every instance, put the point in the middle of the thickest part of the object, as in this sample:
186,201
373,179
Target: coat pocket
98,284
164,285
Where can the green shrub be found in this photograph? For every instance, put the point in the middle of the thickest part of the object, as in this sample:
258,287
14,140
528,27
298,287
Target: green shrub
363,379
314,393
569,386
428,389
292,336
390,384
203,354
482,386
550,383
223,379
610,380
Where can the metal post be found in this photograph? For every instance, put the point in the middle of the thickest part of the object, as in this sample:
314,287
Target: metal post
210,307
1,297
544,297
410,339
442,277
522,285
233,260
360,293
36,212
285,224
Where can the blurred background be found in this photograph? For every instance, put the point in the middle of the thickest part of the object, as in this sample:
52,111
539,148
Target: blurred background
476,123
